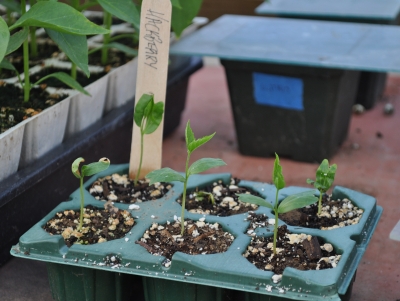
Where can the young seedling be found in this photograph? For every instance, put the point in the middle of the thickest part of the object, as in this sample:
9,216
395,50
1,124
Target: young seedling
204,194
148,116
324,178
86,171
168,175
290,203
55,18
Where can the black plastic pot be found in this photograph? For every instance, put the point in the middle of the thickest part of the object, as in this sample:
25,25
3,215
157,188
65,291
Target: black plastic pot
309,128
29,194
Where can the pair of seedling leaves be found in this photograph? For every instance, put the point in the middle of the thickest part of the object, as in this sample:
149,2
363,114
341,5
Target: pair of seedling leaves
325,176
324,179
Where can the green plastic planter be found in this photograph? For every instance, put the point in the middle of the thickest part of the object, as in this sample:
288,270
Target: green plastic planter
215,277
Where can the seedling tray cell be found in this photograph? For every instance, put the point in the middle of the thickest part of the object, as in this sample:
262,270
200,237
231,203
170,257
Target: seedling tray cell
215,276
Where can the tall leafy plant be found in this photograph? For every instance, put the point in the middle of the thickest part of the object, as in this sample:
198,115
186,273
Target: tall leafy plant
288,204
168,175
65,25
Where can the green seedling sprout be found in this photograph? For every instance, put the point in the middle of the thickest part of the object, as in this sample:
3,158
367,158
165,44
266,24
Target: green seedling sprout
290,203
323,180
148,116
65,26
86,171
203,194
169,175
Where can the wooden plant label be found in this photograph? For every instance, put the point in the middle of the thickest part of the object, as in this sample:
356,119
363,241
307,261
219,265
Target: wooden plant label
155,24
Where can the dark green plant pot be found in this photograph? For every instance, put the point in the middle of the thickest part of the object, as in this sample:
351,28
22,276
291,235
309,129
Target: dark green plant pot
201,277
310,129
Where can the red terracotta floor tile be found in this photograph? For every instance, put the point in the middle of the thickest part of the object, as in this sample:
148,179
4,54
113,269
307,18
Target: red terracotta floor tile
373,168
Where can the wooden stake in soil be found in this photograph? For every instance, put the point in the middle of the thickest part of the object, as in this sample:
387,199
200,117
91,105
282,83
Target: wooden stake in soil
155,24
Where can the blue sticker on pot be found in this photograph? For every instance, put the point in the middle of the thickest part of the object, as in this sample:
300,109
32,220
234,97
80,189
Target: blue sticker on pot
278,91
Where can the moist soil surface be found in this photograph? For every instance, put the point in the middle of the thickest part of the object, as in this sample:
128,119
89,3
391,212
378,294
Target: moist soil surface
198,238
299,251
46,49
13,109
226,201
81,78
98,225
121,189
334,214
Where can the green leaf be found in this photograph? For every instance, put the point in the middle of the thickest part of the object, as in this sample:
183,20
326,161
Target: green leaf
122,9
17,39
154,118
183,17
277,176
164,175
122,48
325,176
75,167
66,79
189,135
4,38
11,5
298,200
96,167
252,199
176,3
140,108
205,164
199,142
75,47
7,65
309,181
60,17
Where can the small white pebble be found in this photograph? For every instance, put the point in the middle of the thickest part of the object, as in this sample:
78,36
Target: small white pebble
134,207
276,278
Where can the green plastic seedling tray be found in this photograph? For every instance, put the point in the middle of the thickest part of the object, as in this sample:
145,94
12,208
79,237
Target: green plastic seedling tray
200,276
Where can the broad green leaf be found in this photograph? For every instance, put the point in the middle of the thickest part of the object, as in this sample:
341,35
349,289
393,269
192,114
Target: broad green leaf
75,47
60,17
66,79
17,39
199,142
298,200
122,47
164,175
7,65
154,118
96,167
277,176
325,176
11,5
189,135
252,199
75,167
205,164
176,3
183,17
4,38
140,108
122,9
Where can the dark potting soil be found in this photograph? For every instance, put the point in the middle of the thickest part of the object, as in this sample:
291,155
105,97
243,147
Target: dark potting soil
46,49
198,238
53,82
226,201
334,214
120,189
98,225
13,109
115,58
299,251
